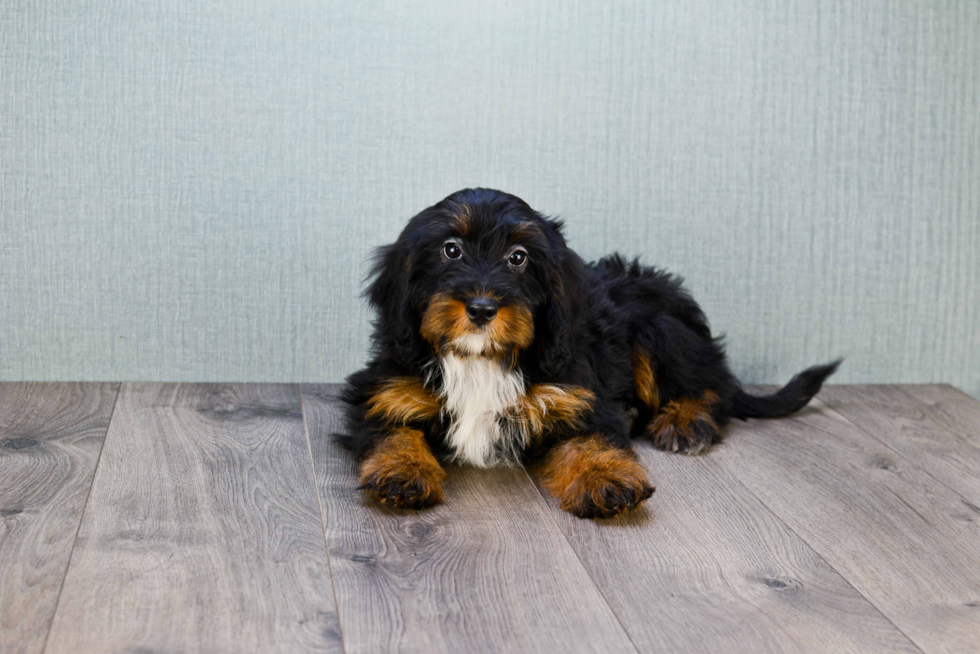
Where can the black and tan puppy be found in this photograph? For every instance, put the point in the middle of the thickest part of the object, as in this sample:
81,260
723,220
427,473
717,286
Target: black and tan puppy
495,344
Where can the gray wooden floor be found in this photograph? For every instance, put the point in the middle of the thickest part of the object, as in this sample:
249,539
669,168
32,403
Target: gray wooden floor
151,518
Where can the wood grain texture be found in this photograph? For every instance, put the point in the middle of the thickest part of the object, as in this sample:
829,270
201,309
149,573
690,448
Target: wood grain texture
704,566
936,427
905,541
950,408
488,571
202,532
50,438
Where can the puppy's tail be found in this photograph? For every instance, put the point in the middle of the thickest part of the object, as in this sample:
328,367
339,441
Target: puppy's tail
789,399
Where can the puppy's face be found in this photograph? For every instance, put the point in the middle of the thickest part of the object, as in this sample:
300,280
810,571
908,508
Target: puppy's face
478,268
485,266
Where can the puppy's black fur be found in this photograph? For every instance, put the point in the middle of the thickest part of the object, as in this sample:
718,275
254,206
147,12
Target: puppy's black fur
625,337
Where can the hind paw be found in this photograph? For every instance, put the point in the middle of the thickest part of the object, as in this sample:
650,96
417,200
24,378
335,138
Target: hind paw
685,426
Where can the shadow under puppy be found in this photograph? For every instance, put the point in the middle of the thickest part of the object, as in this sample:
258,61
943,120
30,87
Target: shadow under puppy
495,345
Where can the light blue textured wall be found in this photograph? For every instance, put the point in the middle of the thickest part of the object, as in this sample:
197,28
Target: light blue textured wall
189,189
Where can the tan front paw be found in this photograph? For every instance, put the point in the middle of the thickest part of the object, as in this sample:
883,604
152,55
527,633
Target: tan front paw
594,479
402,471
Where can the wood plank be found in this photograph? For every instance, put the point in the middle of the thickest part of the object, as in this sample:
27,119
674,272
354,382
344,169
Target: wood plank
931,426
488,571
704,566
202,533
50,438
950,408
897,535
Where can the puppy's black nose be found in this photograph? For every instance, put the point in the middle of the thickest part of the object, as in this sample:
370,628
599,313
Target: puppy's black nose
481,310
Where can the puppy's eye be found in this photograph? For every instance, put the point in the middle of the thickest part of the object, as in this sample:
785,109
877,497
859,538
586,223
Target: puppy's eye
517,258
452,250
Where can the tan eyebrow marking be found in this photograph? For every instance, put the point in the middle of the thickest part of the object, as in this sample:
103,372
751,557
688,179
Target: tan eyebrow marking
524,230
462,214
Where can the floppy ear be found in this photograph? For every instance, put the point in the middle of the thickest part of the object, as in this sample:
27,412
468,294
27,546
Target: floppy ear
555,328
389,294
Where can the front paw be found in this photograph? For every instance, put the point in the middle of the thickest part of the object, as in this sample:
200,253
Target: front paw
593,479
403,490
608,497
401,471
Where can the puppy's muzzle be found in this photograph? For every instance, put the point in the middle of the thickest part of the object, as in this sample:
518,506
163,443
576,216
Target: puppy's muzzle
481,310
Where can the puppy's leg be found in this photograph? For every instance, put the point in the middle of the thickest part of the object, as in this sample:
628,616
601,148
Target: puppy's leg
386,416
680,415
400,469
686,425
594,478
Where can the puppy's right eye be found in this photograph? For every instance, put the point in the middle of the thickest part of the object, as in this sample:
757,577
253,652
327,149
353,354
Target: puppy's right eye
452,250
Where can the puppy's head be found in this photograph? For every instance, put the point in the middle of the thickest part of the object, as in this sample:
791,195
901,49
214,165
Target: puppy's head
478,274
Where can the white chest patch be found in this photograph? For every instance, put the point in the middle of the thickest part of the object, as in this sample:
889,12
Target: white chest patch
478,395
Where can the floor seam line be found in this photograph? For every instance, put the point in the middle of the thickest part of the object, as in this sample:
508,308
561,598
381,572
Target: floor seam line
319,504
777,516
926,408
905,457
81,519
588,573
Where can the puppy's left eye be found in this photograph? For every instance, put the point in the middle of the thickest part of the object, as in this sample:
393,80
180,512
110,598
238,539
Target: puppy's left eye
452,250
517,258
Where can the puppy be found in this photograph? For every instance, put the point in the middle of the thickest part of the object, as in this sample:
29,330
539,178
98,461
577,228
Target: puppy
496,345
